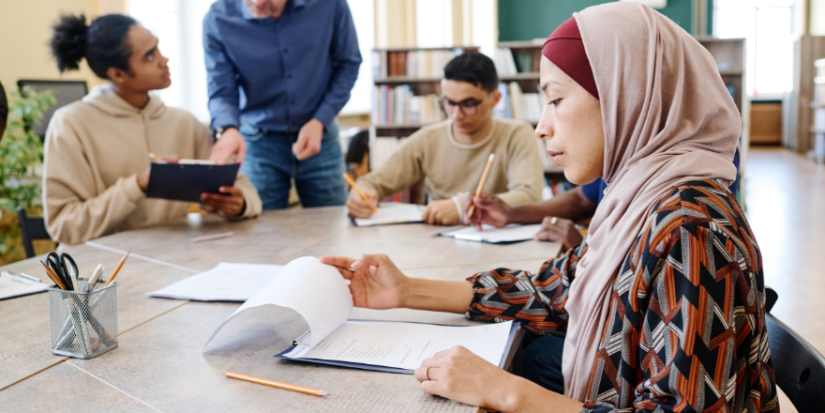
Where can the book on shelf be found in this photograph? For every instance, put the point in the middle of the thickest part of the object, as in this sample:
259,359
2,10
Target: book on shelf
398,105
510,63
555,185
515,104
423,63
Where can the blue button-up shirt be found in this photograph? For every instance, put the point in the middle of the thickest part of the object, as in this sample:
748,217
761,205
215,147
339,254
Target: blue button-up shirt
277,74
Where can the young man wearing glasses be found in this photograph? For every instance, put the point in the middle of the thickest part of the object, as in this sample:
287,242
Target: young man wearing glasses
451,155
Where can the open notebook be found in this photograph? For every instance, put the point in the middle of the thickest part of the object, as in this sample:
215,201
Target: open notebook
509,234
392,213
319,294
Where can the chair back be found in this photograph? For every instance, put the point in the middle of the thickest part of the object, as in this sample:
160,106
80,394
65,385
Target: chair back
799,368
32,228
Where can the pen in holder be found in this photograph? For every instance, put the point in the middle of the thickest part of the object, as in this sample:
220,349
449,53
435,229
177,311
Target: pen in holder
83,324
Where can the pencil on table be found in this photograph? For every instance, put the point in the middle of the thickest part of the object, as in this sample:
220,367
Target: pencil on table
481,184
117,269
276,384
363,195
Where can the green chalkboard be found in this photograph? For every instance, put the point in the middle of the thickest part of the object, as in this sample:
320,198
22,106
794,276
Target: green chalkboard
532,19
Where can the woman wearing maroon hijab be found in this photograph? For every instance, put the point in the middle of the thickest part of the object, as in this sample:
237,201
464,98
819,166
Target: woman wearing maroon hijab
662,305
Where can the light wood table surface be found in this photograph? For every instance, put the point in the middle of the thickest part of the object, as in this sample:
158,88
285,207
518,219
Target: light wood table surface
161,364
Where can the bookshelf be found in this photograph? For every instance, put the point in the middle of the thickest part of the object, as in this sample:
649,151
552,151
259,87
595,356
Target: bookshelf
818,105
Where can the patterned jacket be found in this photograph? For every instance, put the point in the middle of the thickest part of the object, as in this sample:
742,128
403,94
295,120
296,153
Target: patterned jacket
687,328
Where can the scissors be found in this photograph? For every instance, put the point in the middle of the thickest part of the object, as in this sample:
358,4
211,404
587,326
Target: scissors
64,266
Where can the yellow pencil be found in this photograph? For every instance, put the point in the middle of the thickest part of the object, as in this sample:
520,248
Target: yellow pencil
481,184
117,269
363,195
53,276
277,384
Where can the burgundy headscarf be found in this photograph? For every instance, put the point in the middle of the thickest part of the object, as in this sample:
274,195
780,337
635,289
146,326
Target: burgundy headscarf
565,49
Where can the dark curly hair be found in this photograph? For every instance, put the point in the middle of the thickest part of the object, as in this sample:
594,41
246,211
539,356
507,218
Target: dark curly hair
4,110
103,43
473,68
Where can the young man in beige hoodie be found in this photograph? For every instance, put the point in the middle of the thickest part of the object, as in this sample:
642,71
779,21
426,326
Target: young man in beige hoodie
451,155
96,168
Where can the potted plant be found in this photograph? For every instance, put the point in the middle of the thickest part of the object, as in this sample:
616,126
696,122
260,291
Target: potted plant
21,160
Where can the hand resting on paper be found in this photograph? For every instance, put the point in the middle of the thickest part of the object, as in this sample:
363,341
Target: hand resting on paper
143,177
441,212
359,208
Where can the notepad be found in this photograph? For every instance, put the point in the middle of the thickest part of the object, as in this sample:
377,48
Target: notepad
392,213
508,234
186,182
225,282
12,286
321,296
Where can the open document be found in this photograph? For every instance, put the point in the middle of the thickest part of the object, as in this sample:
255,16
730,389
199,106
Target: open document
225,282
392,213
13,285
319,294
508,234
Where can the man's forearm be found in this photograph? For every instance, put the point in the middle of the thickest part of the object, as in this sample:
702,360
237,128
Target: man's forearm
572,205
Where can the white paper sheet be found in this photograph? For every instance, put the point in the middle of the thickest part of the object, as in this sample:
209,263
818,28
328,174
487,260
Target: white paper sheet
12,285
316,291
225,282
392,213
510,233
404,345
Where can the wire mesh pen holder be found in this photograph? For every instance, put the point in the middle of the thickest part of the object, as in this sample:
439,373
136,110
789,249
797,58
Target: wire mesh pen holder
83,324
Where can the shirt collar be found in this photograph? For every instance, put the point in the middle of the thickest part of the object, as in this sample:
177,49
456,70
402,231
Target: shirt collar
295,4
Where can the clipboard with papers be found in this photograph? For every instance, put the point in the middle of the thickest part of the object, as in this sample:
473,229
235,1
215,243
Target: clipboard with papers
387,346
187,181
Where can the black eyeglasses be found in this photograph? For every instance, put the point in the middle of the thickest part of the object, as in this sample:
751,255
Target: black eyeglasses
469,107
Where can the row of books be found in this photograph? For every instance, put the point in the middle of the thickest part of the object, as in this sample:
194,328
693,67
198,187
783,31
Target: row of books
382,148
515,104
413,63
555,185
509,63
398,105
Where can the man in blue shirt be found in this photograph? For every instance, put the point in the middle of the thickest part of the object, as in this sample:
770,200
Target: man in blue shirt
279,71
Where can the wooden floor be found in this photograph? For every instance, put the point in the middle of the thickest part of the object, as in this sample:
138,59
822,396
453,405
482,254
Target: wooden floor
785,200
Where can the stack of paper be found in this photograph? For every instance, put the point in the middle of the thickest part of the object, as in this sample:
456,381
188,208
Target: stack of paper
392,213
12,285
226,282
493,235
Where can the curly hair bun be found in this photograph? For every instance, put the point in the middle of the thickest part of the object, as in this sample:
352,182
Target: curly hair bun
69,41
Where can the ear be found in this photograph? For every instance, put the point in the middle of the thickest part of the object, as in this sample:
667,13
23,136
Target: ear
117,76
496,97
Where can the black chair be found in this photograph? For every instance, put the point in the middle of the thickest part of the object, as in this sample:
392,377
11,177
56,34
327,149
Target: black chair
33,228
799,368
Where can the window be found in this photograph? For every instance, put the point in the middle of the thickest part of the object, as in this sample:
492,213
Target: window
767,26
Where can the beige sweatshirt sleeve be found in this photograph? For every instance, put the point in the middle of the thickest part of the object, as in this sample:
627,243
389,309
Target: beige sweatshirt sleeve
203,148
400,171
524,173
72,209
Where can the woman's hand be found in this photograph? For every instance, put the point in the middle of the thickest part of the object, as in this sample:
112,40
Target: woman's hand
375,282
559,230
490,210
460,375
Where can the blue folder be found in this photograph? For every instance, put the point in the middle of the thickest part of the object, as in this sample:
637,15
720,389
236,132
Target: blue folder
186,182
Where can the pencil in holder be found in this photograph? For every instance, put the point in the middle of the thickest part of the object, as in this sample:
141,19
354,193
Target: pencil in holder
83,324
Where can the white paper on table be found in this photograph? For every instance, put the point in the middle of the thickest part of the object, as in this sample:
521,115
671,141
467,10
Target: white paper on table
491,234
14,286
225,282
404,345
392,213
316,291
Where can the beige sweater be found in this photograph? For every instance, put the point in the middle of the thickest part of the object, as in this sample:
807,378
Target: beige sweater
94,150
453,170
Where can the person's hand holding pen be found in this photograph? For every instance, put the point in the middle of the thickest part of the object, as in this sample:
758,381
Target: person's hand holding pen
143,177
489,209
358,207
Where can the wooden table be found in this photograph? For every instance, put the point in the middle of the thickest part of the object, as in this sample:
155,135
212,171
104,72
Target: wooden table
160,364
